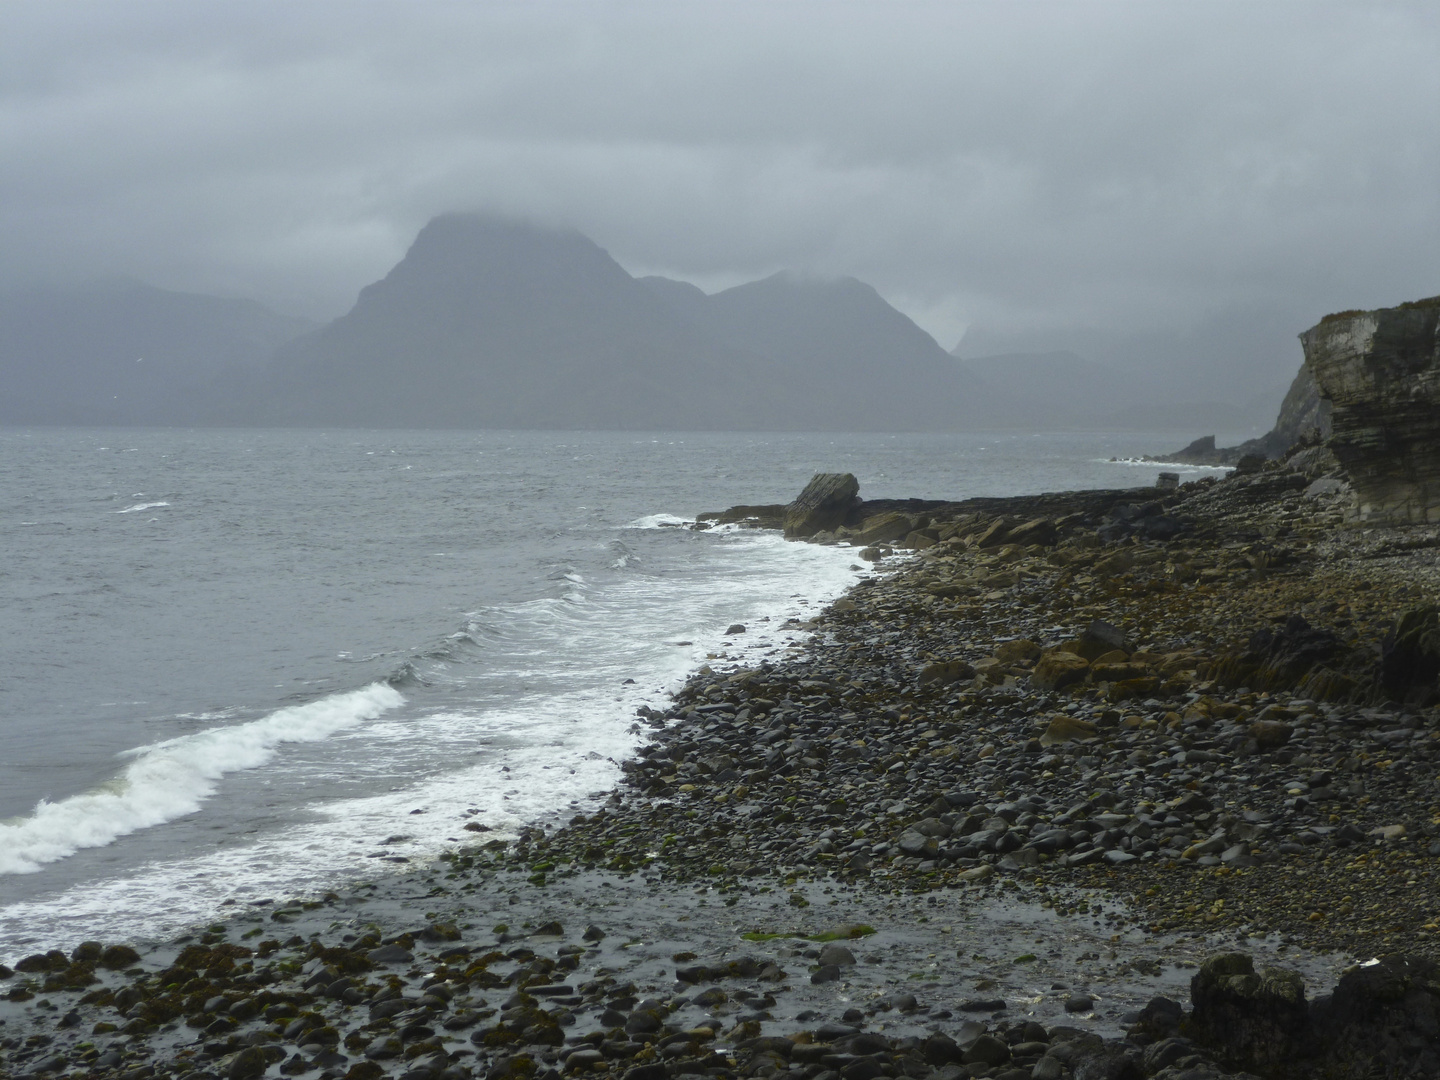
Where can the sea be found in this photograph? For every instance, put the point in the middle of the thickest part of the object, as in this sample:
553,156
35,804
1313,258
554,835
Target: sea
240,665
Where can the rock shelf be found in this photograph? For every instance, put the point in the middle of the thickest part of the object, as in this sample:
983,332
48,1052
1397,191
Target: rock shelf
1082,785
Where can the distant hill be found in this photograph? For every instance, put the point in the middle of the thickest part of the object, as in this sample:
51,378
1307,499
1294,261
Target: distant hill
836,349
120,352
487,323
492,323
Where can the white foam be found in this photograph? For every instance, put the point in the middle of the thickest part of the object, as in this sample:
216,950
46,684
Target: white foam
533,733
659,521
141,506
1147,463
170,779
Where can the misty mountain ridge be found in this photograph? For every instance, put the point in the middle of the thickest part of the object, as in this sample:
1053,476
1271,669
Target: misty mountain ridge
488,322
492,323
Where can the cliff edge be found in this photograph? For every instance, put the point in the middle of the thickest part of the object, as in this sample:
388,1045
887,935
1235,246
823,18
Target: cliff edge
1381,372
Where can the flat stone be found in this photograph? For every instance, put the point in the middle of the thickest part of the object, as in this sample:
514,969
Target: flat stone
390,954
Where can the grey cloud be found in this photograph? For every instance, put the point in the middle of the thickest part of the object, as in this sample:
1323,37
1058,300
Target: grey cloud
1035,171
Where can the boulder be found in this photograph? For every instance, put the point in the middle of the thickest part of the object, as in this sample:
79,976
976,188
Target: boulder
119,956
836,954
882,529
1017,651
390,954
1062,729
1383,1019
1038,531
822,506
946,671
1059,669
1259,1022
1099,638
995,534
1271,734
913,842
1381,372
1117,671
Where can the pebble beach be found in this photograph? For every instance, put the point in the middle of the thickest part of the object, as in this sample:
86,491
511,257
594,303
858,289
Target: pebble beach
1067,778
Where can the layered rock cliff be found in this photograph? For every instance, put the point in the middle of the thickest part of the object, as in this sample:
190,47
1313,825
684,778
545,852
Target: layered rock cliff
1381,372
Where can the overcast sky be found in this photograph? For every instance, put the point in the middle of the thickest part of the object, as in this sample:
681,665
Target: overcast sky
1030,169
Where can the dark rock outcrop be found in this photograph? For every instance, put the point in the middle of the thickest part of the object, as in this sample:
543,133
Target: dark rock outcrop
1381,371
1410,657
1381,1020
822,506
1255,1021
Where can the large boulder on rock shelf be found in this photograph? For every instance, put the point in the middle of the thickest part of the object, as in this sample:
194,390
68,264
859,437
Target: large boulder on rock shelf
822,506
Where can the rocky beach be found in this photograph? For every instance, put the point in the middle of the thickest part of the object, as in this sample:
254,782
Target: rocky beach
1097,784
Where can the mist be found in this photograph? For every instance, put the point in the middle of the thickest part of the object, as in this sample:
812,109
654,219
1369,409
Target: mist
1175,190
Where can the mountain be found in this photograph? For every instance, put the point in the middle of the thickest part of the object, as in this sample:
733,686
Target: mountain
121,352
835,346
488,323
494,323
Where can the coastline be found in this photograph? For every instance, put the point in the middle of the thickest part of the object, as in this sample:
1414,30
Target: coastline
871,783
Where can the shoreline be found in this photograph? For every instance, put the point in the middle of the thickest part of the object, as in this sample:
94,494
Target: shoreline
1019,829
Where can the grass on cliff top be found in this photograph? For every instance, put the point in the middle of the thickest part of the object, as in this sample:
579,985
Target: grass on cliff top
1409,305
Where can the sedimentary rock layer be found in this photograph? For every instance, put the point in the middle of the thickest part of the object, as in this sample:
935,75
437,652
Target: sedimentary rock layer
1381,372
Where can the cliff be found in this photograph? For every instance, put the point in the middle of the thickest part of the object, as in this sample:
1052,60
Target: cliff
1381,372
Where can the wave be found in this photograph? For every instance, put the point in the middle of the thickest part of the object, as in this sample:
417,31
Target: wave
141,506
1151,463
660,521
624,556
170,779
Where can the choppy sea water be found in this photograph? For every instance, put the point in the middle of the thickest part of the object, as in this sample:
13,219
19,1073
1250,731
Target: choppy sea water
246,664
